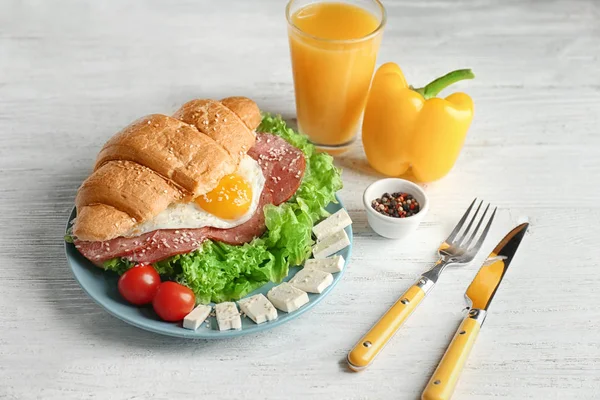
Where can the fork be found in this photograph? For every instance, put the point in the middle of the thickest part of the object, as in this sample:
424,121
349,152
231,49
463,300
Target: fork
459,248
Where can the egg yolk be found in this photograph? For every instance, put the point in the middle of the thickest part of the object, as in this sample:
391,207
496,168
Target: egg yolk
229,200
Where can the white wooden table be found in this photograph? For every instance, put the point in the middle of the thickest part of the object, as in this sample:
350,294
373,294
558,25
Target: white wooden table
72,73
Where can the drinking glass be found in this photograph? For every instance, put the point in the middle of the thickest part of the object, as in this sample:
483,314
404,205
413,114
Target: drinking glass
333,47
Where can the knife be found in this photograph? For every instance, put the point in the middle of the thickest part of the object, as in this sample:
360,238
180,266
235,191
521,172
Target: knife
479,295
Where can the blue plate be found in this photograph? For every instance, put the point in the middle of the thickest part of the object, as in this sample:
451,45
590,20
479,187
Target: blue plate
102,287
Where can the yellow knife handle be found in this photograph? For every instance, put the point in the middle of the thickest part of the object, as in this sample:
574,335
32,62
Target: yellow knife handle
373,342
444,379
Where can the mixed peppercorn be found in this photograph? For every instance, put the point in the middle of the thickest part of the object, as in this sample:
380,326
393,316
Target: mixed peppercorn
397,205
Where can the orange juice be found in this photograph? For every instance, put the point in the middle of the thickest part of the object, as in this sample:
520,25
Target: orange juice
333,47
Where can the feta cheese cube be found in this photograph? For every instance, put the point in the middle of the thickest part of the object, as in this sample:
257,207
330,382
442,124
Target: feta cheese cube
335,222
228,316
312,280
331,244
258,308
331,264
287,298
196,317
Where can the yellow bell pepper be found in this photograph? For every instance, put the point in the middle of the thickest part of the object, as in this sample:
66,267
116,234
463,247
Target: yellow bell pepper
406,128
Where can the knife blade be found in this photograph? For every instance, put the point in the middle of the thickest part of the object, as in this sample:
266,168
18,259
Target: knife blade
479,295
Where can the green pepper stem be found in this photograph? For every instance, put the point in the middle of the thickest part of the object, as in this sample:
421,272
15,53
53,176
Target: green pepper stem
433,88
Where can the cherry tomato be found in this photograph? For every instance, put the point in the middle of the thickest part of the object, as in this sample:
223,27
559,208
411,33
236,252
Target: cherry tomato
139,284
173,301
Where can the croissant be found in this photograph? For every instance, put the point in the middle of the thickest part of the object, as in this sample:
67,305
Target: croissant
159,160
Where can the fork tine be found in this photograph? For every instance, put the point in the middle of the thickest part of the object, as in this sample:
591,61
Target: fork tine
477,245
460,223
466,232
466,245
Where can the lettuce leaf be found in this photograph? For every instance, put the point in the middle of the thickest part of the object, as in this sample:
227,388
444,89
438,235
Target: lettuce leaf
118,265
221,272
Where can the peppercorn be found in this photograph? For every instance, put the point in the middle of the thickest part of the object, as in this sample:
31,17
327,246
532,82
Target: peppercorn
396,205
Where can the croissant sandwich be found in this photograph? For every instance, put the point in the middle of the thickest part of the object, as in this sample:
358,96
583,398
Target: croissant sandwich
172,189
158,160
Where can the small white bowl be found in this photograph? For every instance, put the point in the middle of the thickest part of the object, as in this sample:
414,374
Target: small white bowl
390,227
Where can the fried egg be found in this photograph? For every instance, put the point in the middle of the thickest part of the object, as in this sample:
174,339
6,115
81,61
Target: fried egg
231,203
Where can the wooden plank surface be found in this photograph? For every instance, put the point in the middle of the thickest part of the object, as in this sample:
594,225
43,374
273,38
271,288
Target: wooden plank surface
74,72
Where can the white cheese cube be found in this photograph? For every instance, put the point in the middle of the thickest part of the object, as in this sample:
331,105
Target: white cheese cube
312,280
287,298
258,308
335,222
331,244
196,317
228,316
331,264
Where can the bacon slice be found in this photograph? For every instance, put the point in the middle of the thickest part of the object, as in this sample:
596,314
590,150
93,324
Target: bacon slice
147,248
283,166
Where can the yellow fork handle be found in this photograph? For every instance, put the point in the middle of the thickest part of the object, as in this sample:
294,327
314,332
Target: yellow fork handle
373,342
444,379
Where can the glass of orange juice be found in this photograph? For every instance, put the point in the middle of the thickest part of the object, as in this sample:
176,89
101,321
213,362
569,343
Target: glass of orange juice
333,45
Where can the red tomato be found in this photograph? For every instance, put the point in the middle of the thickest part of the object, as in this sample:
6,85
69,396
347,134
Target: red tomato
173,301
139,284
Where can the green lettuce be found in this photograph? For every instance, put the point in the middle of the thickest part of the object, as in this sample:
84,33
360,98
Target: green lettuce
221,272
